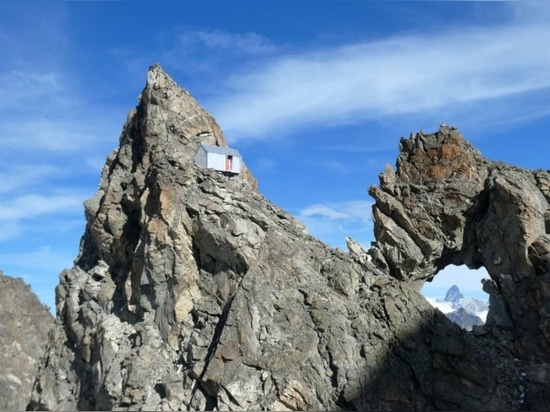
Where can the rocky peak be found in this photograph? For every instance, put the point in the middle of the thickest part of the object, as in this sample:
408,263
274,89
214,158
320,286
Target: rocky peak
193,292
168,125
453,294
158,143
445,155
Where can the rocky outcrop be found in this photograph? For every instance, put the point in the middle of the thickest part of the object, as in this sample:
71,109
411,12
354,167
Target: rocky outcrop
24,326
465,319
193,292
446,204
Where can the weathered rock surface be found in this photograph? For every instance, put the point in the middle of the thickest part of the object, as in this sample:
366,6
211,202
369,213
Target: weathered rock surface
24,326
465,319
193,292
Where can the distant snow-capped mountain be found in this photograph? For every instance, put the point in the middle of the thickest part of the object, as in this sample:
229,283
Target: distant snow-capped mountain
465,312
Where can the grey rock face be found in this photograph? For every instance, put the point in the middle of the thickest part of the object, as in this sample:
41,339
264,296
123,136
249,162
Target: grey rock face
193,292
465,319
24,326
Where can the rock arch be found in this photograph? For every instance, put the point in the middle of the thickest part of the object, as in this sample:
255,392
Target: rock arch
457,292
447,204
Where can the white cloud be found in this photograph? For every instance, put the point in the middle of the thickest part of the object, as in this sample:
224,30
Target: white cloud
332,222
248,43
400,75
210,53
350,210
19,88
44,146
57,133
355,148
16,176
10,230
18,213
324,211
529,12
31,205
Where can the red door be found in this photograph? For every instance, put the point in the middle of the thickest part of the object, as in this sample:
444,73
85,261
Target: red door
228,163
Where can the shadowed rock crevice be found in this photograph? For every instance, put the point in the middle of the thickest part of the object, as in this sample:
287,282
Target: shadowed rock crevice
193,292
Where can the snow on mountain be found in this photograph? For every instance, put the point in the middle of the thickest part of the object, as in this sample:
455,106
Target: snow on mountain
466,312
444,307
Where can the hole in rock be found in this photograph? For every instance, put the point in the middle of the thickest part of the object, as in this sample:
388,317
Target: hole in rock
457,292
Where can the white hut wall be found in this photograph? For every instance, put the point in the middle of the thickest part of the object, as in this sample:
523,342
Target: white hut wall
236,165
201,158
216,161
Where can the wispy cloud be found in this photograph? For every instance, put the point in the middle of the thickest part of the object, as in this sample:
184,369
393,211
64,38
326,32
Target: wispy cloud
17,213
219,40
212,53
48,128
355,148
34,205
17,176
401,75
333,221
20,88
76,130
530,12
324,211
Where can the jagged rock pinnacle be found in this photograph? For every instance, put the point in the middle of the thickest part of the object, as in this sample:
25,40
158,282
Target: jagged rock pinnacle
171,121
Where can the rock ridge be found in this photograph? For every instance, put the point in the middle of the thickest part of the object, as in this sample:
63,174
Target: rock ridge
24,326
192,291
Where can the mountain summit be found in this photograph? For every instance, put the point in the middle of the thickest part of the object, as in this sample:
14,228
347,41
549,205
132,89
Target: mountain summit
453,294
465,312
191,291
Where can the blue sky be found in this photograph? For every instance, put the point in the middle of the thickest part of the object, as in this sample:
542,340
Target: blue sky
314,94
